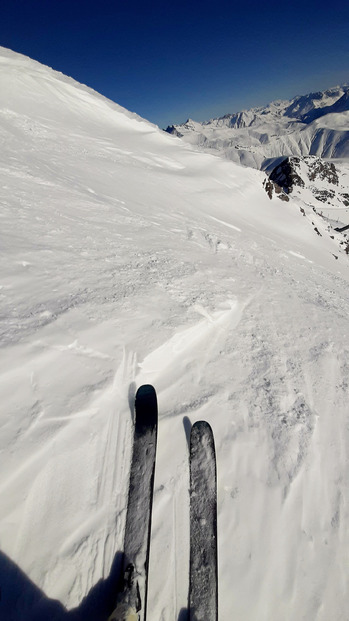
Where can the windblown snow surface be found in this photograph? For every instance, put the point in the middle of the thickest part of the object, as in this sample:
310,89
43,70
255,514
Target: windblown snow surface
128,258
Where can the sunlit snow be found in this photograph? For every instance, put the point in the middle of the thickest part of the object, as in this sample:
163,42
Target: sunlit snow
129,258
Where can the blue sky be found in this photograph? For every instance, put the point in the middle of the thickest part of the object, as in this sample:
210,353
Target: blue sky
168,60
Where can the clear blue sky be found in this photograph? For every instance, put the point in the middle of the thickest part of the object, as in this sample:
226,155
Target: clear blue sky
169,60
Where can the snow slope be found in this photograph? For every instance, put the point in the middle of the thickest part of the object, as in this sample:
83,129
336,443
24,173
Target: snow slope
129,258
314,124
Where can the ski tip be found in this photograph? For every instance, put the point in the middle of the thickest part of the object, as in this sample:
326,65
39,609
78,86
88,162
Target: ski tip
146,407
201,426
201,431
146,391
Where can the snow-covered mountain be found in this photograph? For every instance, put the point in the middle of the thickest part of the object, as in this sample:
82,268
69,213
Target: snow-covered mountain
127,257
312,178
316,186
314,124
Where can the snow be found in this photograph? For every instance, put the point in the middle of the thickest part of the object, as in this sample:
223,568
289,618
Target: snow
338,121
129,258
282,128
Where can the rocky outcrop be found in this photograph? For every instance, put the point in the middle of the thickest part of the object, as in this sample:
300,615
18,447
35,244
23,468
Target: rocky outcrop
171,129
318,169
272,188
297,171
286,175
314,180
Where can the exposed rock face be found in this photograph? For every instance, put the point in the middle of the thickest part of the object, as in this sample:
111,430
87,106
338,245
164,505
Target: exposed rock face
322,170
310,178
171,129
345,199
271,188
324,196
286,174
317,188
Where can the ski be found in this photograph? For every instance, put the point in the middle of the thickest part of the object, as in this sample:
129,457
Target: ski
132,599
203,579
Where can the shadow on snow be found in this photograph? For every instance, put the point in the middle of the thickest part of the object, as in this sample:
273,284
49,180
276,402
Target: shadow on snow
21,599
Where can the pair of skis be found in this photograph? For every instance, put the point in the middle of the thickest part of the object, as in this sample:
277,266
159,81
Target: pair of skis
203,585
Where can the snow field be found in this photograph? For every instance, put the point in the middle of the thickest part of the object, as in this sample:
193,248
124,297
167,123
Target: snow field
127,258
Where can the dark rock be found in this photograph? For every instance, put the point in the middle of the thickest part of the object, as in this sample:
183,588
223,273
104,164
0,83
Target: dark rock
286,175
345,199
271,187
171,129
323,195
322,170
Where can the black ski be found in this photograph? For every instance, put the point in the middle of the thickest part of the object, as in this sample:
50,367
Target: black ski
132,600
203,582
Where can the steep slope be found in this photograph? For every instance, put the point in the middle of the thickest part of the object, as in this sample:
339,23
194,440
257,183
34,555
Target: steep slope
129,258
310,177
317,187
315,124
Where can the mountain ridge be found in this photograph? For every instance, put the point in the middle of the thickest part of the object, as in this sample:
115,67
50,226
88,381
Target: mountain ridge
280,128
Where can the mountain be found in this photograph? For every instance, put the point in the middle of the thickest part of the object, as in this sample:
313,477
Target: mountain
316,186
315,124
322,178
127,257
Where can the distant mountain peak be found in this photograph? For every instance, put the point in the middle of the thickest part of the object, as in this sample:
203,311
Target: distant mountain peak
281,128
